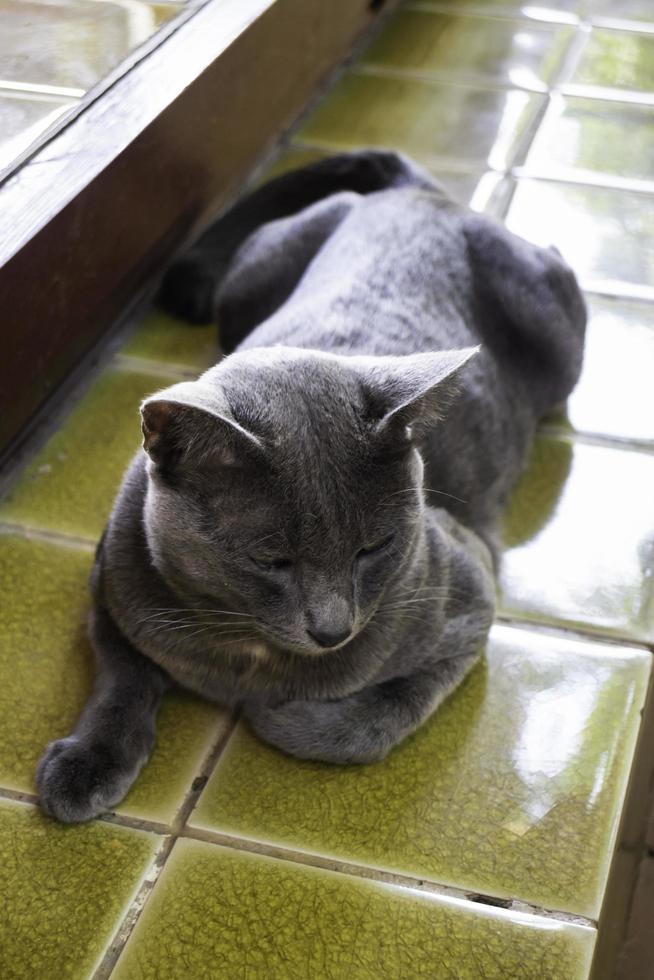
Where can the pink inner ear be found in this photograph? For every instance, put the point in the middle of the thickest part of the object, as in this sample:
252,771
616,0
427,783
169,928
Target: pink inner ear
157,415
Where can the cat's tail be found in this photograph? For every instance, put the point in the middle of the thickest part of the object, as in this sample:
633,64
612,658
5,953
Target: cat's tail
190,284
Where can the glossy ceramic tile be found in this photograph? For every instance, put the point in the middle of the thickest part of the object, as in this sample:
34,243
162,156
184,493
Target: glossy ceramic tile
219,913
65,891
581,539
172,342
621,61
606,235
615,395
46,672
512,789
471,49
24,119
425,120
72,43
71,484
583,138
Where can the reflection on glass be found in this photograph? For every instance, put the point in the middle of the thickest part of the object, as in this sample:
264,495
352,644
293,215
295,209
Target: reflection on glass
22,120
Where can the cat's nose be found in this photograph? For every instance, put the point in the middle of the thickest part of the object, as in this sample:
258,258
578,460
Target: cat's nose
329,637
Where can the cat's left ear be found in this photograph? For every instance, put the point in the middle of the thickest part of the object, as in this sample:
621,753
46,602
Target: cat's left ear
413,389
190,424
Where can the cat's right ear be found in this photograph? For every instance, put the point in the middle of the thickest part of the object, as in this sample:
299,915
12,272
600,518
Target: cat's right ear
191,425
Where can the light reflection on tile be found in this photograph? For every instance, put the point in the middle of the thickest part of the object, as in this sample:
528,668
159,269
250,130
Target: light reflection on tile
606,235
424,119
580,535
615,394
23,119
589,136
470,49
620,60
526,763
73,43
217,912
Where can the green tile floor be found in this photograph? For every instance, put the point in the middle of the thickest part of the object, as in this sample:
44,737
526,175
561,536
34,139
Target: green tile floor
482,847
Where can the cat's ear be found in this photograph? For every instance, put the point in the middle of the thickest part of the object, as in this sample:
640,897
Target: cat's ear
191,424
413,389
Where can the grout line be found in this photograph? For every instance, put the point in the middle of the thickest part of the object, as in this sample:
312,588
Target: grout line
624,26
444,77
446,80
171,835
131,917
571,57
18,796
206,771
571,631
599,93
129,362
584,178
578,630
613,298
50,537
532,14
597,439
427,886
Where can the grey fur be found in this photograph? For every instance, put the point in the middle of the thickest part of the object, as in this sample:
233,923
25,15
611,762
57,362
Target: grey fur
357,413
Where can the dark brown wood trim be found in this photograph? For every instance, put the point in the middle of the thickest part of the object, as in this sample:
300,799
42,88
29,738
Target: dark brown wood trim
92,216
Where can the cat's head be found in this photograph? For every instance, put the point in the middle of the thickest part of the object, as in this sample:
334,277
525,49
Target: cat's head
286,484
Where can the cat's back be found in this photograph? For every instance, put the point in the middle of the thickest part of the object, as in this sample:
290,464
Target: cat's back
392,279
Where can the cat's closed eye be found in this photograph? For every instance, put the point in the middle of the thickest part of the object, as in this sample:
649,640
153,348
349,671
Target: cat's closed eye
377,546
269,563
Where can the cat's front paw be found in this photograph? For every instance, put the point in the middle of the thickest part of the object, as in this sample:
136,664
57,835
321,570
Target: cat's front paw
78,781
324,731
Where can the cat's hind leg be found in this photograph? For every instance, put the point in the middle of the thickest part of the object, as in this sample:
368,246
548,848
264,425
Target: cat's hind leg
190,284
91,770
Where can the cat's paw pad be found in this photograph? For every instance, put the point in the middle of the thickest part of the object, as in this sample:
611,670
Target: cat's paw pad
77,781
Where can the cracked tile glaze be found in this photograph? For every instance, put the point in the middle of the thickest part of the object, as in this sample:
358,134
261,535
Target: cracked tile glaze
615,395
513,788
70,485
46,669
580,540
65,891
469,49
424,119
217,913
72,44
606,235
591,138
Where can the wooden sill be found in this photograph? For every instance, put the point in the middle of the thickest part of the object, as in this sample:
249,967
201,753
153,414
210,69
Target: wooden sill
90,218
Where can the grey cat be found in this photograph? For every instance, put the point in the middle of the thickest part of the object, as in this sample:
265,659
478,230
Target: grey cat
310,529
